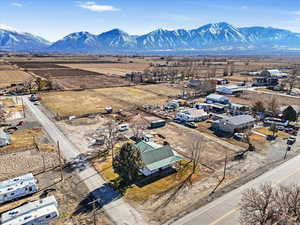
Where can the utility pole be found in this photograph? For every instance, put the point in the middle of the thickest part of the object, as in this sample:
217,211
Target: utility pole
223,178
286,152
60,164
23,107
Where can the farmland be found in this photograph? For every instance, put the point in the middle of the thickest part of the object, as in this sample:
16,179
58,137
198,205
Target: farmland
9,75
110,68
96,100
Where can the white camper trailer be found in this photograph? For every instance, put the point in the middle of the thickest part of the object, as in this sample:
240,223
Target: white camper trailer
39,212
17,187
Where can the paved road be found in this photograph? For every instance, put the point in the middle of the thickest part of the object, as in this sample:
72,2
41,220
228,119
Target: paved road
119,211
224,210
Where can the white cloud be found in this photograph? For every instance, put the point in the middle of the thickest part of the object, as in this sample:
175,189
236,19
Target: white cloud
244,7
92,6
17,4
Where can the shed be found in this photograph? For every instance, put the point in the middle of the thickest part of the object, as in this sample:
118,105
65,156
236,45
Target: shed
155,122
156,157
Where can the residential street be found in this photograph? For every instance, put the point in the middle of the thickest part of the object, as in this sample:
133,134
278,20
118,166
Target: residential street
116,208
225,211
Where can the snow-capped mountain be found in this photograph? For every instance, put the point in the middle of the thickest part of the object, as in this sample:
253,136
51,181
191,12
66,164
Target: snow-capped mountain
211,37
77,42
13,40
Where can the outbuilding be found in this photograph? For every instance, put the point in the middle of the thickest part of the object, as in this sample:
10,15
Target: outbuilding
192,115
5,138
234,124
229,89
214,98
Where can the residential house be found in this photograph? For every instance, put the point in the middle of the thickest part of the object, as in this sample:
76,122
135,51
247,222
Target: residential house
265,81
5,138
238,109
234,124
17,187
156,157
40,212
192,115
220,81
214,98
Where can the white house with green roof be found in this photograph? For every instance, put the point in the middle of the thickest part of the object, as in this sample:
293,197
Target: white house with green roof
156,157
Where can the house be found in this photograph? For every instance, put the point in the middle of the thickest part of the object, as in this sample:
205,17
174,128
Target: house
221,81
5,138
218,108
192,115
229,89
275,73
265,81
39,212
214,98
234,124
156,157
17,187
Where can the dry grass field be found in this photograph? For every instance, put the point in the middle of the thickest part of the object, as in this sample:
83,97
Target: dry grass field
161,89
11,75
96,100
110,68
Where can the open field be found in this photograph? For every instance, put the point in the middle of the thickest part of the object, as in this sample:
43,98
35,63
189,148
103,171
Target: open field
110,68
161,89
10,76
95,100
249,98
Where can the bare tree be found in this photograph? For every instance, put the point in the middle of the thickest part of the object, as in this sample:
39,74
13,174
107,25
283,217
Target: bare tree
272,105
109,133
271,206
138,126
186,182
30,84
256,206
292,80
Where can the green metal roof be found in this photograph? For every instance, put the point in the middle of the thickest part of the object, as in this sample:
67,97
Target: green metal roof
156,156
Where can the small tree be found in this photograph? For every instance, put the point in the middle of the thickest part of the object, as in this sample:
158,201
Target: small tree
273,105
292,80
273,128
290,114
30,84
258,107
39,83
127,162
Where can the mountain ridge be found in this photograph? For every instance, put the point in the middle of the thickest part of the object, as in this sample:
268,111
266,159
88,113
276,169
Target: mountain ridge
220,36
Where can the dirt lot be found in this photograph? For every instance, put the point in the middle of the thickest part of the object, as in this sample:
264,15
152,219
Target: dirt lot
95,100
110,68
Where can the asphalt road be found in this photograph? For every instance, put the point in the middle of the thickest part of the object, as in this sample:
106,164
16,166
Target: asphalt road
116,208
225,210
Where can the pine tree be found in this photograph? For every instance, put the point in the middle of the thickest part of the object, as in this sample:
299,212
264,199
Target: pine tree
290,114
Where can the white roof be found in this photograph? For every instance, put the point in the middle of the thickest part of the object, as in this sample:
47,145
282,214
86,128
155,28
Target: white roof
216,97
17,183
4,135
276,72
30,211
195,112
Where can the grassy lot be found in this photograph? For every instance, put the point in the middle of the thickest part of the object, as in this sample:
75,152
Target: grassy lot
27,139
96,100
8,77
141,194
161,89
7,101
266,131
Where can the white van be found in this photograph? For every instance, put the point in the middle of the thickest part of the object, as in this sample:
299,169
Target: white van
123,127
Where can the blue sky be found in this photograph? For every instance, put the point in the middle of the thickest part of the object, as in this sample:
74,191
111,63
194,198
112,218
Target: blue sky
53,19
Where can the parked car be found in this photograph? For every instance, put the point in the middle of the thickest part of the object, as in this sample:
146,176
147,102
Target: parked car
123,127
239,136
291,140
191,125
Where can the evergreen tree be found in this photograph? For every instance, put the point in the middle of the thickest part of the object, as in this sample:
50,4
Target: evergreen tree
290,114
127,162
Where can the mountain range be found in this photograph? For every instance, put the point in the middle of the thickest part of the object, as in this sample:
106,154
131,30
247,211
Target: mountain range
211,37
